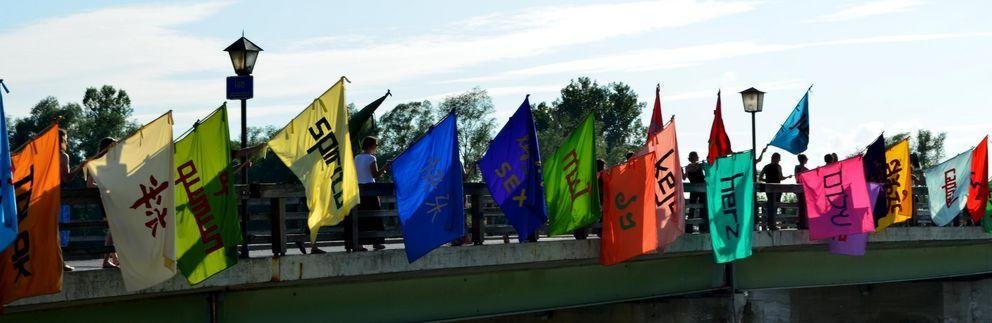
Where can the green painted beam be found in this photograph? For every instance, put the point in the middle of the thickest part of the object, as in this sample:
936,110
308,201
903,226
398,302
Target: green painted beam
188,308
474,294
815,268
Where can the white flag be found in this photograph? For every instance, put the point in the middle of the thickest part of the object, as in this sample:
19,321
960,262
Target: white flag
948,184
135,182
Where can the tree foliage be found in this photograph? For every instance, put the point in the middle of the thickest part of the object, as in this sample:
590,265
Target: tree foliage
615,107
475,126
106,113
928,146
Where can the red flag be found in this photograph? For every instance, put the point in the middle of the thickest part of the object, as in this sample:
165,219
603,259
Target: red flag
719,142
978,192
655,126
630,226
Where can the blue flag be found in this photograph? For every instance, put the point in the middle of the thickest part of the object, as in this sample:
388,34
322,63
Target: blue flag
512,170
793,136
8,206
429,195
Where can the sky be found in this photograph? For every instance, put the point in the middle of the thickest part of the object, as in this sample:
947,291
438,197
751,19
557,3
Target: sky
874,66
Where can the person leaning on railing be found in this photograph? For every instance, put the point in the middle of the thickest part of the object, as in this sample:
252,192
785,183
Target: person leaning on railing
367,169
694,173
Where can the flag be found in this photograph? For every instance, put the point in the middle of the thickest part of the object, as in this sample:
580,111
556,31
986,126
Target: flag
363,122
987,220
837,201
629,215
793,136
8,209
135,182
33,264
511,168
208,230
947,185
854,244
898,186
316,146
570,182
669,197
655,126
429,195
876,172
719,142
730,204
978,191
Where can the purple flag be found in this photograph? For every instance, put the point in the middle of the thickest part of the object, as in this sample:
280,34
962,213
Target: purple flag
512,171
854,244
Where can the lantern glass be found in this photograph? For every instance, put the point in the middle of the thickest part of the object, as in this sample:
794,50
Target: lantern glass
753,100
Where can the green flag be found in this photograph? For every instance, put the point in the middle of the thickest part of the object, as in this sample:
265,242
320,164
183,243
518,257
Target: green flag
570,182
362,123
207,227
730,202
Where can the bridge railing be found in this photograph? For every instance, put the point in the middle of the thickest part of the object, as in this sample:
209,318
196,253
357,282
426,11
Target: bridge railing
278,212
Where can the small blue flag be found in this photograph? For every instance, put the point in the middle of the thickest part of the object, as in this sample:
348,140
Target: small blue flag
8,205
793,136
429,194
512,170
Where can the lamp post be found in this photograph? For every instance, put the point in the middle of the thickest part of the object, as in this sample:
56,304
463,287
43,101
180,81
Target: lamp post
243,54
753,102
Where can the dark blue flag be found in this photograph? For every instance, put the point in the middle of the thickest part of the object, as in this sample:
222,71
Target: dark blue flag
8,206
429,195
793,136
512,170
876,171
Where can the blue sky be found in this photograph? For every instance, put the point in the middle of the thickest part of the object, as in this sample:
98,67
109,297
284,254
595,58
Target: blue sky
892,65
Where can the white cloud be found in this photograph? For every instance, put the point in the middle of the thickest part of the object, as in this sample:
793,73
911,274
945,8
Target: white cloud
681,57
868,9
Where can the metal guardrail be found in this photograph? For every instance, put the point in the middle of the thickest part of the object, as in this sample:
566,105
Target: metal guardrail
277,216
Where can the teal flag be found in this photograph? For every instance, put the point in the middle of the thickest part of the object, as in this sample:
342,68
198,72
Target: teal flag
570,182
793,136
730,202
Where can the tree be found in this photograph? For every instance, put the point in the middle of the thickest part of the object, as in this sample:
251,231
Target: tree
42,116
929,147
106,113
399,127
474,110
615,107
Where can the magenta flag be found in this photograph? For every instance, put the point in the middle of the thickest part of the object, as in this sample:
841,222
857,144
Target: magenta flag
837,201
854,245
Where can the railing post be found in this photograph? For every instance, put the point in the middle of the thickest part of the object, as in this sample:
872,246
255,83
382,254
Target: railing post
478,233
277,220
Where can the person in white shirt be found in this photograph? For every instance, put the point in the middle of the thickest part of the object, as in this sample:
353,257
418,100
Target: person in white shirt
367,170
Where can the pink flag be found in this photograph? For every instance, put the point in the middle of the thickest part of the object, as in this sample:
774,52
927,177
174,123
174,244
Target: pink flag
669,197
854,245
837,201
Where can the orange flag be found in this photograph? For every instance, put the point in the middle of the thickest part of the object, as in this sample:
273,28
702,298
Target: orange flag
629,219
32,265
666,175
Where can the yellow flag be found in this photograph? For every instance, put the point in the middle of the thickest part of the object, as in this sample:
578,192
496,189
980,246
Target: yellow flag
317,148
899,188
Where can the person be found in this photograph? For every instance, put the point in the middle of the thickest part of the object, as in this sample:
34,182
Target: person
772,174
834,158
800,197
801,167
65,176
828,159
367,169
694,173
110,259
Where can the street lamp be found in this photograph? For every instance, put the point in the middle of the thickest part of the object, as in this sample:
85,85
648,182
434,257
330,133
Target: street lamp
753,101
243,54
